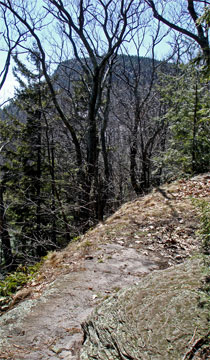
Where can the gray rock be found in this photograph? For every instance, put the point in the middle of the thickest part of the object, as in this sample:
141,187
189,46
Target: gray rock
157,319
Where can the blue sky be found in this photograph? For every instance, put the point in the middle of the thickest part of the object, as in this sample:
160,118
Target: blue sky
8,89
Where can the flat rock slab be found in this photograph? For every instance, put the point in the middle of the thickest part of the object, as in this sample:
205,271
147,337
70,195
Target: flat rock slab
50,327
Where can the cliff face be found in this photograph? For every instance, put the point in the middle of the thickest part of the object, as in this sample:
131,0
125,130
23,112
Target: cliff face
158,319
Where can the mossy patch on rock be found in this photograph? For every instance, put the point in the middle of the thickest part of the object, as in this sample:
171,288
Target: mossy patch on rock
158,319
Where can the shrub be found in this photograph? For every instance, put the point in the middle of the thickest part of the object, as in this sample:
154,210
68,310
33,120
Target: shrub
14,281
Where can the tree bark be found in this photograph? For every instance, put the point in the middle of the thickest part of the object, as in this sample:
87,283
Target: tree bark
4,233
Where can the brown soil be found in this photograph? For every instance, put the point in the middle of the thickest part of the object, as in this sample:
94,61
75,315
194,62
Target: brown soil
153,232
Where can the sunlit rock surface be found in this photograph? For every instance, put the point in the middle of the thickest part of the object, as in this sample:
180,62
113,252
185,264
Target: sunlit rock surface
159,318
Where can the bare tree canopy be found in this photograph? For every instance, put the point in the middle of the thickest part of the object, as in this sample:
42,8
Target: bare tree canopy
9,43
185,20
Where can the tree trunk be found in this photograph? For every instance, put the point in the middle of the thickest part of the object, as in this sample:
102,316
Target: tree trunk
53,189
4,234
194,162
133,165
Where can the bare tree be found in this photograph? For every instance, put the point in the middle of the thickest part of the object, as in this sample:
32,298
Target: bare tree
185,21
140,110
8,43
94,33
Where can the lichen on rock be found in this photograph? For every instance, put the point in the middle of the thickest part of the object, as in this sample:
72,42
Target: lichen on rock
157,319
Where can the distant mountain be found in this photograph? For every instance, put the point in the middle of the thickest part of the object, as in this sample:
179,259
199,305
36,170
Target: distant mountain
125,66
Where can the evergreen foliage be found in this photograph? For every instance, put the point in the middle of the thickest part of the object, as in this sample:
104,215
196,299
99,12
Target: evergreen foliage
188,117
32,177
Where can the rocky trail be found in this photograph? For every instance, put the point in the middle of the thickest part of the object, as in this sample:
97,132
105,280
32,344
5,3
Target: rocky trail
147,234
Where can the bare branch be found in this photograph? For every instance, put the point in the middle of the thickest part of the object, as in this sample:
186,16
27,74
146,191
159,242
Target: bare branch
200,38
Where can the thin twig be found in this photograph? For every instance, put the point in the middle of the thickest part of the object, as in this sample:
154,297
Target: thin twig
196,346
193,337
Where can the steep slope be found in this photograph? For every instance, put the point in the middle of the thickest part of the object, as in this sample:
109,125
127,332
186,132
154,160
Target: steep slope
150,233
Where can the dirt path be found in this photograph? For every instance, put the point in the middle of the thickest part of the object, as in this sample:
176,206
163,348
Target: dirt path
149,233
50,327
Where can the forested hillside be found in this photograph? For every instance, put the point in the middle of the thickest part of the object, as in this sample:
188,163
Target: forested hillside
92,126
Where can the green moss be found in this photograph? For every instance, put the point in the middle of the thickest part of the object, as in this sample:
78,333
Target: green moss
87,243
116,289
76,239
14,281
100,261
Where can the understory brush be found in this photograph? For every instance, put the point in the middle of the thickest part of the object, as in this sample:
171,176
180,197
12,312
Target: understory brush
15,281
